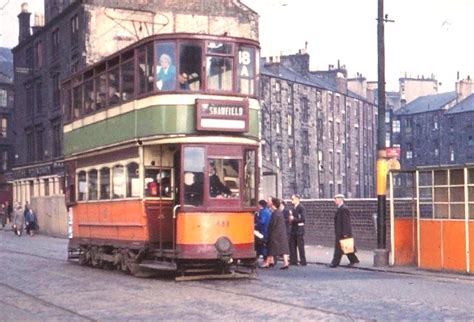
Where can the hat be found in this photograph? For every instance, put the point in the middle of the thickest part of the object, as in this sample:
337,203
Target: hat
340,195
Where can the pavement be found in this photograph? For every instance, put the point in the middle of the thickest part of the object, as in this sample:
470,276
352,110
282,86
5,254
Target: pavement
322,255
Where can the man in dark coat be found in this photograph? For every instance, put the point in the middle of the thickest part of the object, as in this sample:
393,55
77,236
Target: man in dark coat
297,221
343,229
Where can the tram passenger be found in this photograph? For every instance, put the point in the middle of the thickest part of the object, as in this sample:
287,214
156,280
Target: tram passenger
166,74
262,222
114,95
183,81
216,187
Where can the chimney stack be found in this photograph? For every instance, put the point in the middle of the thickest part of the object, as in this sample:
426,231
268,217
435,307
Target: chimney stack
24,23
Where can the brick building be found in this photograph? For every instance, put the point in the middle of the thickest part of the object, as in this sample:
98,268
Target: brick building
318,130
6,114
76,34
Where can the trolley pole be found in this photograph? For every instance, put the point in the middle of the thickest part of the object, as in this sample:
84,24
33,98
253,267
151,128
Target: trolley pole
381,253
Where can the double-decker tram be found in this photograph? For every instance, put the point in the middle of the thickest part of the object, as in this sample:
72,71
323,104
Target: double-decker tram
161,152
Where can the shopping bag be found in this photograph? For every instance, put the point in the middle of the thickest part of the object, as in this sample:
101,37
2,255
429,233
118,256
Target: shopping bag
347,245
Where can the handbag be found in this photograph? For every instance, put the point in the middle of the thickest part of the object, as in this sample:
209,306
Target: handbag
347,245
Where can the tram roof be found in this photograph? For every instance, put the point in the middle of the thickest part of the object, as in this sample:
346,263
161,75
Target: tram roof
168,36
466,105
428,103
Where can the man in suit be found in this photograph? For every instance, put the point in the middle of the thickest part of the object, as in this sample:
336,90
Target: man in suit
166,74
297,221
343,229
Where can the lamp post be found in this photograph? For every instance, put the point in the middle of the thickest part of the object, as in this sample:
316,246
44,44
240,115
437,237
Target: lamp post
381,253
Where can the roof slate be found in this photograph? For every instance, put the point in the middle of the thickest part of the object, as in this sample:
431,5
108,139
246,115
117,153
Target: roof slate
466,105
427,103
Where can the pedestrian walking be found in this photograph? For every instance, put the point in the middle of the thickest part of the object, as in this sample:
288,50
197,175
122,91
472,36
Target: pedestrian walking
277,237
31,222
262,222
18,219
3,215
343,229
9,209
297,222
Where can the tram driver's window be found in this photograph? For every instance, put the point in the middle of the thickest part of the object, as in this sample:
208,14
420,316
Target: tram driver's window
224,178
158,182
250,178
104,183
82,186
190,60
165,67
193,179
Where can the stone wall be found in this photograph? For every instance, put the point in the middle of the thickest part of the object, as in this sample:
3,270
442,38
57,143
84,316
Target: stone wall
52,215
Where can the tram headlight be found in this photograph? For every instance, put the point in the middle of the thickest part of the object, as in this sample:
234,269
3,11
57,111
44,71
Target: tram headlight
223,245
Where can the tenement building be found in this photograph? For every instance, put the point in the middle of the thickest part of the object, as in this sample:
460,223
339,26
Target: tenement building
76,34
6,114
318,130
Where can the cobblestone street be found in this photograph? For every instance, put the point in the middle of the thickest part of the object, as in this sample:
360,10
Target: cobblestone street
38,283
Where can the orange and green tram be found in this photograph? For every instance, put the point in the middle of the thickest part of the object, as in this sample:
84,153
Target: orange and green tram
161,149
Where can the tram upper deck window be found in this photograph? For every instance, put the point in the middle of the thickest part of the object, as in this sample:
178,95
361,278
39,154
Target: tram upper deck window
89,95
128,76
165,74
113,85
219,67
193,179
190,60
145,69
224,179
246,70
76,98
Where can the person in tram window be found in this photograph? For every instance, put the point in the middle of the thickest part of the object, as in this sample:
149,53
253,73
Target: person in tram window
166,74
114,95
183,81
216,187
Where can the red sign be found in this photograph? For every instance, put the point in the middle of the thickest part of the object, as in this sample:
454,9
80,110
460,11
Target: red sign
393,152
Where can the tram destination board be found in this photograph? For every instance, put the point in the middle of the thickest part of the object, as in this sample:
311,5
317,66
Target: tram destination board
220,115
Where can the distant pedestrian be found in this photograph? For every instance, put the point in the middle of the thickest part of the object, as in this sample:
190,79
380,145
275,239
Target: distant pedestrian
297,222
9,208
18,219
31,222
277,237
262,222
3,215
343,229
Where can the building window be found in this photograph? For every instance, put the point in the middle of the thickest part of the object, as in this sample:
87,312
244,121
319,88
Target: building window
46,187
451,153
4,127
39,54
436,152
306,176
388,115
470,140
38,97
30,58
39,144
435,122
290,125
55,43
4,160
409,153
278,123
3,98
305,139
396,126
305,109
278,92
290,158
75,30
29,99
56,140
30,145
56,87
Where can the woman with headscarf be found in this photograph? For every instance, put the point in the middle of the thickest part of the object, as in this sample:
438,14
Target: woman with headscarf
277,237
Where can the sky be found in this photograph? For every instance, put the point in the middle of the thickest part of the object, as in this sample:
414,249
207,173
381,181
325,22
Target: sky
428,37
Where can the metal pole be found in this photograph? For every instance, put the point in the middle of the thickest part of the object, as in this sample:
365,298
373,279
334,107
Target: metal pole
381,253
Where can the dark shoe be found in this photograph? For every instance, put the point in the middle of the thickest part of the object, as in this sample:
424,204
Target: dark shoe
285,267
303,264
332,266
271,265
352,264
294,264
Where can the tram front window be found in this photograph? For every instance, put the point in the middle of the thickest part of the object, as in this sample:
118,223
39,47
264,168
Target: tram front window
158,182
193,179
224,178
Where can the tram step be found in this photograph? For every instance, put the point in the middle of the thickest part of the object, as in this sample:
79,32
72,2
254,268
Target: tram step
162,266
